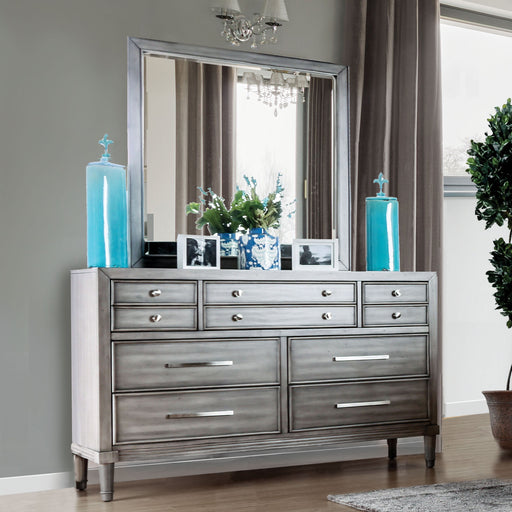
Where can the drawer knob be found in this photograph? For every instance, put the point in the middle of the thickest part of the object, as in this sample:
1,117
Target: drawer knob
396,293
237,317
327,316
155,293
396,315
237,293
155,318
326,293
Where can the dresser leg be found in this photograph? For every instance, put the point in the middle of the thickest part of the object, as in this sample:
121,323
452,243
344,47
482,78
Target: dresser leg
106,481
80,466
430,450
392,449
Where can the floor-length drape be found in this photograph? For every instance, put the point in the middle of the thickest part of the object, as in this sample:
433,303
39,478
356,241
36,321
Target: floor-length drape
392,48
205,143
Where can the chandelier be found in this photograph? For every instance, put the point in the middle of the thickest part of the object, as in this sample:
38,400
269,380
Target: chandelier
239,28
277,91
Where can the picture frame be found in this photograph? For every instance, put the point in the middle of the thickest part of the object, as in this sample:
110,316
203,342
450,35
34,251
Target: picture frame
314,254
198,252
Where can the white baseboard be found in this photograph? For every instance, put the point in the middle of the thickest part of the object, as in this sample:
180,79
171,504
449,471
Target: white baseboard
466,408
129,472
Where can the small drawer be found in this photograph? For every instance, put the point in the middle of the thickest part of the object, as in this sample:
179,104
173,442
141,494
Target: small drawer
279,293
383,293
340,405
394,315
153,365
243,317
195,414
313,359
153,318
154,292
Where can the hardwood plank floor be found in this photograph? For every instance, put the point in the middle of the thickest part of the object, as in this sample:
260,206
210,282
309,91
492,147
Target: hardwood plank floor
469,453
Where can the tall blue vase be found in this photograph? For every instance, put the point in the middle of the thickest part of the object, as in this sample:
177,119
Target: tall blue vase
259,250
107,215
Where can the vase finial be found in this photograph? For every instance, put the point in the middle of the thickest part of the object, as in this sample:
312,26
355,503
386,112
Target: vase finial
380,180
105,142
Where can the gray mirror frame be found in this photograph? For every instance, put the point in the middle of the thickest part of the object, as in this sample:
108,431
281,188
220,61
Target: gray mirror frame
341,159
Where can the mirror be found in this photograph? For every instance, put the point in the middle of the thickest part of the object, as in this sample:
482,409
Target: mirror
201,117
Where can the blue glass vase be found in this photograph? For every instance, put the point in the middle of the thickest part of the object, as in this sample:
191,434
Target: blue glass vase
107,215
259,250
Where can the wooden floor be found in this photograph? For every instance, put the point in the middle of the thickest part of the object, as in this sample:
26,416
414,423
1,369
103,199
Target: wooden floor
469,453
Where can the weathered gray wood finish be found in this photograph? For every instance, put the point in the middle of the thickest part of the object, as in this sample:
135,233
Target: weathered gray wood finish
323,364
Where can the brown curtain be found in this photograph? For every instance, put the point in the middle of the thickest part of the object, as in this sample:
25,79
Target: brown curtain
392,48
319,175
205,152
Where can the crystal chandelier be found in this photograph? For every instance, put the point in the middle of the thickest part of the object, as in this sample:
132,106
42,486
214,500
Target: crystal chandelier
279,90
238,28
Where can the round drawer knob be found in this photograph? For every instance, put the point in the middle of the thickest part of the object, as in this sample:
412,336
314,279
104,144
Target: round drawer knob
396,315
155,318
326,293
155,293
237,317
396,293
327,316
237,293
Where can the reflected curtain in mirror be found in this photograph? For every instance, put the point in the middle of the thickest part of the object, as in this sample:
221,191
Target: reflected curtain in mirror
319,169
205,154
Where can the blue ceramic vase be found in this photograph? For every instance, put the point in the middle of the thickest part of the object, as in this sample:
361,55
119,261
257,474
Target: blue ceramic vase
259,250
228,244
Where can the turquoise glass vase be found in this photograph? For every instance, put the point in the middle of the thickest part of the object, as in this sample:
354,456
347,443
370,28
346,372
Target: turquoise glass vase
107,215
259,250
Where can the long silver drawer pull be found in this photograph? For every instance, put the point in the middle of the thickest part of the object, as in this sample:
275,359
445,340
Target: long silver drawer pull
363,404
360,358
237,293
205,414
237,317
326,293
396,293
396,315
155,293
327,316
199,364
155,318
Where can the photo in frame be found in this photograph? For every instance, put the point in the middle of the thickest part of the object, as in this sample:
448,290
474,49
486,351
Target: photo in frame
196,252
315,254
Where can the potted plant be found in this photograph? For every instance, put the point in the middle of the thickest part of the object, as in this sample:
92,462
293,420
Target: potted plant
490,167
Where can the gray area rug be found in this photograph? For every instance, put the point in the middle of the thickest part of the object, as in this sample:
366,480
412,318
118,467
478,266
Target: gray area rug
476,496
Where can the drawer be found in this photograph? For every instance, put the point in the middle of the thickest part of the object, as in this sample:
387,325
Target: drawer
195,414
315,359
243,317
153,318
278,293
339,405
154,292
152,365
394,315
381,293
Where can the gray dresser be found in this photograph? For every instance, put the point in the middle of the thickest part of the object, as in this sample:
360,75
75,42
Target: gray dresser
178,365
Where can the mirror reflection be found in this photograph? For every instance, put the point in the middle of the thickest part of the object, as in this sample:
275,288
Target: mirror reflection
209,125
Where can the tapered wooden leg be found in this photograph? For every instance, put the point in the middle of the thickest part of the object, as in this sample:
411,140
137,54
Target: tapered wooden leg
80,465
107,481
392,449
430,450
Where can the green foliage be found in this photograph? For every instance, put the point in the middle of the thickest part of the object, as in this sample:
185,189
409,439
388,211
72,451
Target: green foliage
490,167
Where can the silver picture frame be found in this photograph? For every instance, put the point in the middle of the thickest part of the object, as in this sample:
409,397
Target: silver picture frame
314,254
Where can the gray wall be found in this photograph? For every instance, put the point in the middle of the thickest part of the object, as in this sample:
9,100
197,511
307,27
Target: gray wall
62,86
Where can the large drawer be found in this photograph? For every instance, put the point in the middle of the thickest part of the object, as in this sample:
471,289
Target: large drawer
315,359
195,414
153,318
381,293
394,315
153,365
243,317
154,292
338,405
278,293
